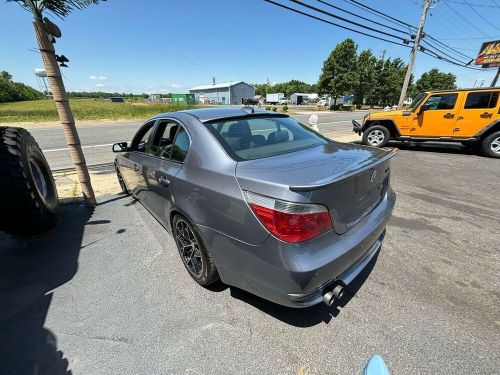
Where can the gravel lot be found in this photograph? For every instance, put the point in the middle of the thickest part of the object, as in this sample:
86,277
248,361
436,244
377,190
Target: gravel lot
106,292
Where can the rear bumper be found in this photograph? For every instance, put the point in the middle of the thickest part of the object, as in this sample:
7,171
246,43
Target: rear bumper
356,127
296,275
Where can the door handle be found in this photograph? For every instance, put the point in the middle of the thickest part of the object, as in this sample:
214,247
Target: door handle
448,115
136,167
164,180
456,130
486,115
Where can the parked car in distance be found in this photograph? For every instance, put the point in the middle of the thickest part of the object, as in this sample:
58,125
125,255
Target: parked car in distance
284,101
469,116
250,101
322,103
260,201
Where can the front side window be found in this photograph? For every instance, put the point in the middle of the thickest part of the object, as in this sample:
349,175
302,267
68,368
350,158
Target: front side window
441,101
163,139
483,99
141,139
259,137
170,142
416,102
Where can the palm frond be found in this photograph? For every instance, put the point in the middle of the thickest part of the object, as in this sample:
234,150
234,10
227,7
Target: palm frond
60,8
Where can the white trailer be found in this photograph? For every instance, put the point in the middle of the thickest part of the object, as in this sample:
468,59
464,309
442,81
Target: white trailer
274,98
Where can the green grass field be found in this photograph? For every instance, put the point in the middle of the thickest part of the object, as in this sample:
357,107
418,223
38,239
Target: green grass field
83,109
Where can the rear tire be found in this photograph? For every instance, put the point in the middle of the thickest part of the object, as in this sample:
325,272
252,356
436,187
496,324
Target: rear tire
376,136
491,145
28,197
193,253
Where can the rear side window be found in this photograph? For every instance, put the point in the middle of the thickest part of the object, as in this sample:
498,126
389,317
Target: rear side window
180,146
441,101
483,99
260,137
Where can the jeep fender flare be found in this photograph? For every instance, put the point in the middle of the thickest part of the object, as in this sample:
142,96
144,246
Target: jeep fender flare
488,129
387,122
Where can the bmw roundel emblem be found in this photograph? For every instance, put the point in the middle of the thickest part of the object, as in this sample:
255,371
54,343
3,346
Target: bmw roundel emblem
373,176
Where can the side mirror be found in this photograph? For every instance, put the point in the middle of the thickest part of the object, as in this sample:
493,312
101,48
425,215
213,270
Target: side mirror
120,147
424,108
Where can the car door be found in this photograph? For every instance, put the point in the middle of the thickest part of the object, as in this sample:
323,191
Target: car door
167,153
478,111
132,162
436,117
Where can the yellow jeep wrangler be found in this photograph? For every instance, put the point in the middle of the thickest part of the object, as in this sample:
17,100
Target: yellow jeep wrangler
469,116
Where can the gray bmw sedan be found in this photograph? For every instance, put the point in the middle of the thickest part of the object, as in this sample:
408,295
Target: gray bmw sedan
261,201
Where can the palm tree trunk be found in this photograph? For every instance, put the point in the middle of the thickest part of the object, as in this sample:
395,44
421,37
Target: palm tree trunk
65,114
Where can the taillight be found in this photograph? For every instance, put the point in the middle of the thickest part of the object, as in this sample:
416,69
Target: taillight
290,222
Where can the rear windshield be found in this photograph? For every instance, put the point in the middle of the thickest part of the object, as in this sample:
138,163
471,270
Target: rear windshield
260,137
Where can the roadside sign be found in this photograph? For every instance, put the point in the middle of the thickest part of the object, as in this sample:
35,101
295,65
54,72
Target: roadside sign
489,55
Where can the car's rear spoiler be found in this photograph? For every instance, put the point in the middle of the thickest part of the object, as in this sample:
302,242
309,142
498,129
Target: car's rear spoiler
389,154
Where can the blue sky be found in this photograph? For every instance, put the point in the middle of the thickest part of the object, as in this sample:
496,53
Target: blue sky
170,46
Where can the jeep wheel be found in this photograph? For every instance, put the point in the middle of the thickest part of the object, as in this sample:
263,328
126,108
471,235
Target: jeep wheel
28,195
377,136
491,145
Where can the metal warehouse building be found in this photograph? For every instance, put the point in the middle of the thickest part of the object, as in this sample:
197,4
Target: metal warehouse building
223,93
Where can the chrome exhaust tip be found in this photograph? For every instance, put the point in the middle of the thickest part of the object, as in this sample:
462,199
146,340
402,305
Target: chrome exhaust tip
330,296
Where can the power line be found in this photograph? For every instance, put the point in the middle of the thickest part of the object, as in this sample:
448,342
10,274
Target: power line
431,51
363,18
333,23
481,16
474,5
444,53
464,19
381,14
344,19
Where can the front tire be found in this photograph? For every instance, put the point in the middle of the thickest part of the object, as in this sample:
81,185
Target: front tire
376,136
491,145
193,253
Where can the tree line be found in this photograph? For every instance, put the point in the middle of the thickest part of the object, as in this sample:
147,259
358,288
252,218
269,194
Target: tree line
11,91
371,80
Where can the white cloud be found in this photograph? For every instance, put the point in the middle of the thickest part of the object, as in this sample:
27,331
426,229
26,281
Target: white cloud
175,85
99,85
98,78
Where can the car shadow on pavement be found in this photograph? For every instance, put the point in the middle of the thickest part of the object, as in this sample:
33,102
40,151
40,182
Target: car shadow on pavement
30,269
310,316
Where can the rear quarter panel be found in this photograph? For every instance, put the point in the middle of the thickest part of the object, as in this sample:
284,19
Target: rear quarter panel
207,192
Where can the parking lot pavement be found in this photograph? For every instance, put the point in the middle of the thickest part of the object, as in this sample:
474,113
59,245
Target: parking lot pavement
106,292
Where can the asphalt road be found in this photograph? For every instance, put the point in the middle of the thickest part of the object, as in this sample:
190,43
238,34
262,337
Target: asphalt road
98,139
106,292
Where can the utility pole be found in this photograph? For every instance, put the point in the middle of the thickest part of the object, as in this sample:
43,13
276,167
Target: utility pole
384,51
413,54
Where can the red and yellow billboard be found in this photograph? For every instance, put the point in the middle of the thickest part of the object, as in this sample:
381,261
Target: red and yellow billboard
489,54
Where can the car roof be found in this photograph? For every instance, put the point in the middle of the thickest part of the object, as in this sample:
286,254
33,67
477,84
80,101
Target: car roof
471,89
211,114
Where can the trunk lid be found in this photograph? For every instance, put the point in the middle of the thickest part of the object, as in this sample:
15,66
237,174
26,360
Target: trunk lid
350,180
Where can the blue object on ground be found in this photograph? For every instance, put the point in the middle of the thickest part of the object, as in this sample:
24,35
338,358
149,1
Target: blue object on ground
376,366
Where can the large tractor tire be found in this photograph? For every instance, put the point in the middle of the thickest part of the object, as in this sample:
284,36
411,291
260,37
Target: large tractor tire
28,197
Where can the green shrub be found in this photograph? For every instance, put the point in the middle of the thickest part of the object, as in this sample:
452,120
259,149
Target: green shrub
285,108
347,108
268,108
335,107
274,108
